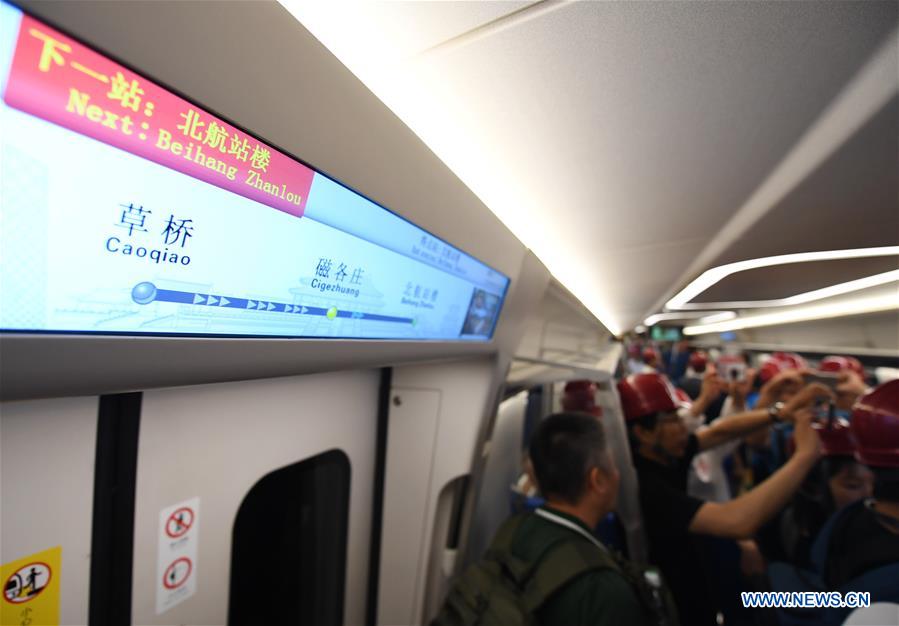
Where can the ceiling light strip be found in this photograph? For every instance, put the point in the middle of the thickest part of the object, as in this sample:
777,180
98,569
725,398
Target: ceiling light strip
717,317
652,320
802,314
800,298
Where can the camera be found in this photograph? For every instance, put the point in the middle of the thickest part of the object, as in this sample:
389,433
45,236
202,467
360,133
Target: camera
732,371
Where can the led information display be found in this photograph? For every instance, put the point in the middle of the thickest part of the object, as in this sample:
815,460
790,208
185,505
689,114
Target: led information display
126,209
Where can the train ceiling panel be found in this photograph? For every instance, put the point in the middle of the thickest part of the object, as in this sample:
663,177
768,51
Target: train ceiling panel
413,27
783,281
617,139
850,201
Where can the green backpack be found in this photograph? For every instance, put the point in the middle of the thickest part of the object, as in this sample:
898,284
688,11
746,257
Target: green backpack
502,590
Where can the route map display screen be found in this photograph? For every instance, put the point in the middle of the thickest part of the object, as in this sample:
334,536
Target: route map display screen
127,209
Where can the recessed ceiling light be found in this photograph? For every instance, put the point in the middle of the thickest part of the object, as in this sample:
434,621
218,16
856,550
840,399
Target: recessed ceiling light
652,320
717,317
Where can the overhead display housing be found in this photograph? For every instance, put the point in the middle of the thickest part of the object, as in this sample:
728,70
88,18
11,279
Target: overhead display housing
128,209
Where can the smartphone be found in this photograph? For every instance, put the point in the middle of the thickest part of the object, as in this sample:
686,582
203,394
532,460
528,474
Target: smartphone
825,412
828,379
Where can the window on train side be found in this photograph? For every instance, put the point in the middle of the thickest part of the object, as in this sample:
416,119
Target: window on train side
288,549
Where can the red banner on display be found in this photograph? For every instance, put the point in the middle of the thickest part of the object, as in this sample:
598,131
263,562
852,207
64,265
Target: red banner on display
64,82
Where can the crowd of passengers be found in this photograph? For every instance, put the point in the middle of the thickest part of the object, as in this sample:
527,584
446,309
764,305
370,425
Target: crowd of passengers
783,477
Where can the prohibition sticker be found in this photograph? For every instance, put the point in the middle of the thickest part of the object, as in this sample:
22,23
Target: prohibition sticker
27,583
179,522
31,589
177,573
176,558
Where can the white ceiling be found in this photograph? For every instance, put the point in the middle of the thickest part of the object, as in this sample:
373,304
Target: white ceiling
618,139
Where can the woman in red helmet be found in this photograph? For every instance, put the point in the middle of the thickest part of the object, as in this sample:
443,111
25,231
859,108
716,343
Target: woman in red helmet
858,547
866,535
663,452
837,481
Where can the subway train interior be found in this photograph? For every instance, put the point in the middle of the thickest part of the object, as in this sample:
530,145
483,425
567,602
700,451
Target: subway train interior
618,277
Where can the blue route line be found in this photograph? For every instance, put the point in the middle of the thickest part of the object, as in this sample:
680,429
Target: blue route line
146,292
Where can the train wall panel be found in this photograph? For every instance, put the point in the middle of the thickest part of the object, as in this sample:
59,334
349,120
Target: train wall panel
411,447
215,441
467,391
47,451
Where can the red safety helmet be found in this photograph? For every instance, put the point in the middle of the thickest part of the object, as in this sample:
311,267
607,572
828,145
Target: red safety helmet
875,426
836,438
580,395
770,369
650,355
643,394
698,360
841,363
791,360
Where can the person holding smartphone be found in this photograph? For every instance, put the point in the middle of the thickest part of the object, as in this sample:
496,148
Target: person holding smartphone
663,452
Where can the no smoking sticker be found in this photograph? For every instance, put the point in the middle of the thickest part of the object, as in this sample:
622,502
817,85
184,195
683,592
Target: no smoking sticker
179,522
176,564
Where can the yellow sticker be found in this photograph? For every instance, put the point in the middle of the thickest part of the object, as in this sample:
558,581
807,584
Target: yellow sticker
31,590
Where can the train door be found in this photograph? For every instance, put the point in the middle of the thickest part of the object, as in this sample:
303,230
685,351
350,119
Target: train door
253,501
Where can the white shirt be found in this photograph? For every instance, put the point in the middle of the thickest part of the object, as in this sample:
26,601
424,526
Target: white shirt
707,479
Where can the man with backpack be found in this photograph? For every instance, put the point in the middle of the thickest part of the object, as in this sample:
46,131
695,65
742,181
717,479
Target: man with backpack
546,567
